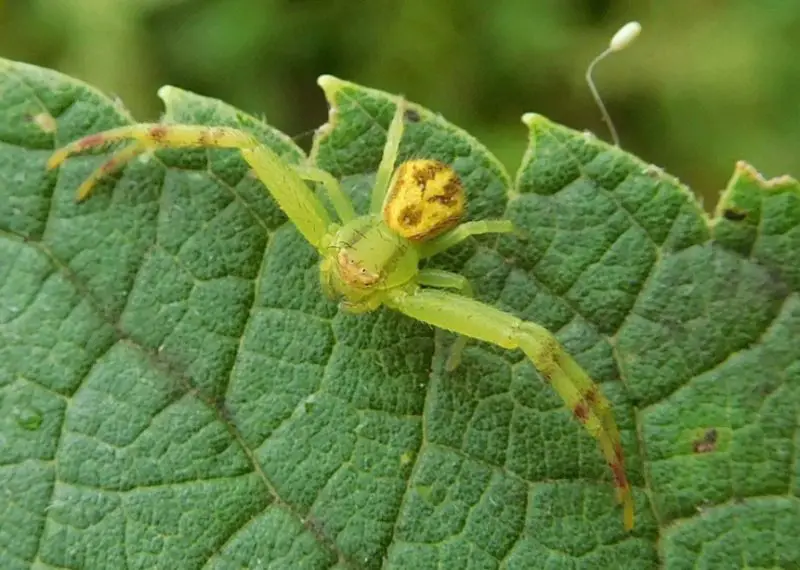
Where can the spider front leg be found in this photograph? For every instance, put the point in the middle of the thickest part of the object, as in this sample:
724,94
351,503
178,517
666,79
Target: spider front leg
472,318
285,182
388,159
341,203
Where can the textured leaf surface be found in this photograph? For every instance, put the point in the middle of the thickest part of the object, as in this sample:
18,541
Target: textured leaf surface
175,392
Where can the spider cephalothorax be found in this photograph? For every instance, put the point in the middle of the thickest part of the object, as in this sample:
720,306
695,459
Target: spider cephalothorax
373,259
372,254
365,259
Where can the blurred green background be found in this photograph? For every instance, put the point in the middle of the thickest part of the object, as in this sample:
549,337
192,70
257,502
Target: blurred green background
708,83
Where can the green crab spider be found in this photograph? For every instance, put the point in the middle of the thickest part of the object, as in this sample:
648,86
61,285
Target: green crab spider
373,259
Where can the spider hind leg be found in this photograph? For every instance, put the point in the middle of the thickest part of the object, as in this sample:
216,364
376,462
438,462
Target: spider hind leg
472,318
584,398
449,280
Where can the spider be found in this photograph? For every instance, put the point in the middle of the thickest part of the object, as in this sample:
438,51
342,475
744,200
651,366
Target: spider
373,259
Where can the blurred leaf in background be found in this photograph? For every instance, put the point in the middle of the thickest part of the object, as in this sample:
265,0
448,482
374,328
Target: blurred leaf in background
709,82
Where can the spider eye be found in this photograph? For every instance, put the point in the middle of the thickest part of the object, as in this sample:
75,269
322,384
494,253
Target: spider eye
353,273
426,198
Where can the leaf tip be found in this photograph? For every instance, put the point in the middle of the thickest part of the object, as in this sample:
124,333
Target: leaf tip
330,84
168,93
531,120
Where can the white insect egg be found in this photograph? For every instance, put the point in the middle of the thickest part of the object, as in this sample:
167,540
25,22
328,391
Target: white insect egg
622,39
625,36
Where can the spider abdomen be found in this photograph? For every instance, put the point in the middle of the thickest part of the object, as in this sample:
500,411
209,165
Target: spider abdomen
425,198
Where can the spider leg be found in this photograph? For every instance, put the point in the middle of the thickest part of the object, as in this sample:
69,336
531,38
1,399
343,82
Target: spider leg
386,167
153,136
472,318
448,280
117,160
462,232
294,197
341,203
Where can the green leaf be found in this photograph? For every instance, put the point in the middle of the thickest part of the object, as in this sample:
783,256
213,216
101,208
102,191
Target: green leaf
176,392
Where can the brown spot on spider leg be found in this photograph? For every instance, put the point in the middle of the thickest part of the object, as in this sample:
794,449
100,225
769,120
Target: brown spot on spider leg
209,137
545,373
110,166
91,141
620,480
583,407
618,452
157,133
215,134
547,360
581,411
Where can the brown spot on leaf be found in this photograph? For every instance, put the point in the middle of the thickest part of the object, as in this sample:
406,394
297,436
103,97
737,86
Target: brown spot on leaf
734,214
411,116
707,443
